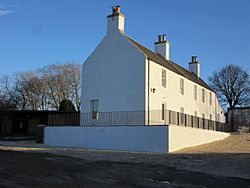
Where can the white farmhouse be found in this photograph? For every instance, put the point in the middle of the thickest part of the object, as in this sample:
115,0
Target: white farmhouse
129,81
125,85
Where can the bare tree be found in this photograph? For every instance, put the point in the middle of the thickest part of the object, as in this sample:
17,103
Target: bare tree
50,75
40,87
12,92
26,85
74,77
63,83
5,102
231,85
43,89
35,89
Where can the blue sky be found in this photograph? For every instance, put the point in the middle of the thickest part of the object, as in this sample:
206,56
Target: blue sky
34,33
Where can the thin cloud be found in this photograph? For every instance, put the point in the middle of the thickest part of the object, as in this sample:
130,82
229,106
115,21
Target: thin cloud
5,12
7,9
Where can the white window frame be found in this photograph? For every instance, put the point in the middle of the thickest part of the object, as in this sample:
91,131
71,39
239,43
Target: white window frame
182,116
163,109
182,86
203,95
218,117
210,98
195,92
164,78
94,108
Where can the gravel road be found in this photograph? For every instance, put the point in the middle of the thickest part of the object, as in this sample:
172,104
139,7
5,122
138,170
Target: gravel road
224,163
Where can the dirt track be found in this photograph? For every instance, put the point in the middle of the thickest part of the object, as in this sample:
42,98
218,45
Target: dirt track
202,166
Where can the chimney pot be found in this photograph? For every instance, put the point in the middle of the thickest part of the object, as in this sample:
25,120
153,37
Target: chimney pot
117,9
159,38
164,38
113,11
194,59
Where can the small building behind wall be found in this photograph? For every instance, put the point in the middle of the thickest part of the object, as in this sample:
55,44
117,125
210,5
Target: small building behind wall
17,122
238,119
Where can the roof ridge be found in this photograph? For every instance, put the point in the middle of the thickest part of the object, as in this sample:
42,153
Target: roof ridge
171,65
159,57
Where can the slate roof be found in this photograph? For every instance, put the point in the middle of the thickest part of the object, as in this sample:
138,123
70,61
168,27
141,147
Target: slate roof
171,65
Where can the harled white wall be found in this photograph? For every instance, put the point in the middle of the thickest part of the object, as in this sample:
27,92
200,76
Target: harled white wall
114,74
117,74
181,137
174,99
130,138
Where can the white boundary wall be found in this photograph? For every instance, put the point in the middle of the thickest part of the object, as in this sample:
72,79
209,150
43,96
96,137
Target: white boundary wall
162,139
130,138
181,137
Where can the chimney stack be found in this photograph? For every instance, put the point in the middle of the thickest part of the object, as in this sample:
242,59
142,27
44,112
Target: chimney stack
162,46
116,20
194,66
